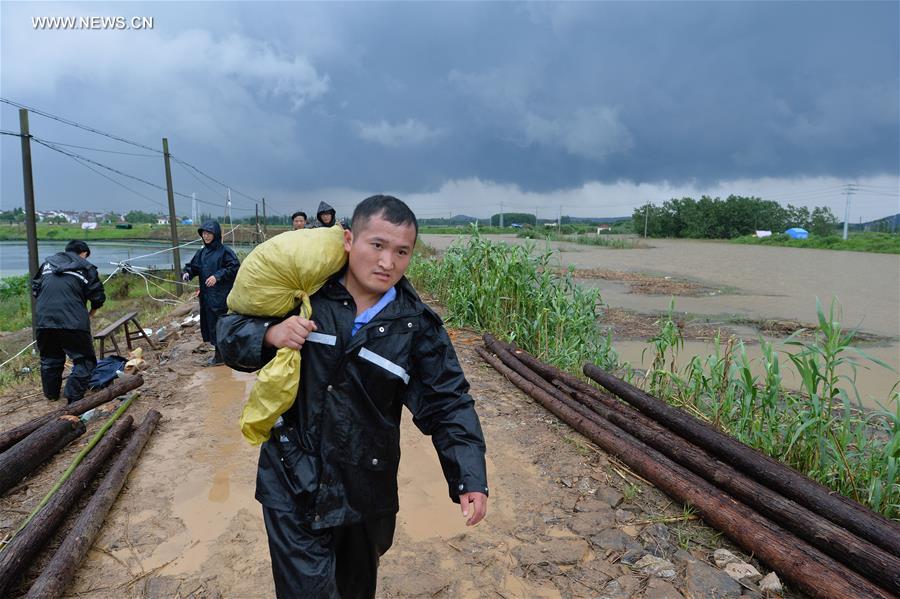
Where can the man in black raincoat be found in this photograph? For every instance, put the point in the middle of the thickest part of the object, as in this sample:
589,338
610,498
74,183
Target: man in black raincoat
325,216
63,285
327,478
216,265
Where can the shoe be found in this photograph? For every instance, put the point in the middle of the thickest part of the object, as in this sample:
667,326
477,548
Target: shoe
52,398
215,361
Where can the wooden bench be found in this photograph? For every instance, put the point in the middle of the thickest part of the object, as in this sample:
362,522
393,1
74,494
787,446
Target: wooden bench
109,332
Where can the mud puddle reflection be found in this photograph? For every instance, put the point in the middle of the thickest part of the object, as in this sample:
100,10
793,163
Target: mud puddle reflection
218,477
426,510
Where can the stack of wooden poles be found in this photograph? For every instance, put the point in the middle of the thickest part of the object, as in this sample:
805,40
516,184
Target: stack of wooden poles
821,542
26,447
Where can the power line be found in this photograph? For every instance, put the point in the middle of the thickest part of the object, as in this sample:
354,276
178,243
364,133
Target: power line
109,168
211,178
201,181
59,143
78,125
119,183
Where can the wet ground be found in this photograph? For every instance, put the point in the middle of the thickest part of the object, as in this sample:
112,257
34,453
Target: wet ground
186,523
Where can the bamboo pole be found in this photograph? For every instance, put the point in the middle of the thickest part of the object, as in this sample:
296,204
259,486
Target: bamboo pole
845,512
78,458
55,578
34,533
25,457
122,386
810,570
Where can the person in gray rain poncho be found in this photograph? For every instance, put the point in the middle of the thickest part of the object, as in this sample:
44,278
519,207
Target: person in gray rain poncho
216,265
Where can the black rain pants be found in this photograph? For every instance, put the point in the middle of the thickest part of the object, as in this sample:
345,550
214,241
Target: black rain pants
54,345
332,563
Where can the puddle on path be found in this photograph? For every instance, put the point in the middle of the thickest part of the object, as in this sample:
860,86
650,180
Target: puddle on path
426,510
218,476
874,384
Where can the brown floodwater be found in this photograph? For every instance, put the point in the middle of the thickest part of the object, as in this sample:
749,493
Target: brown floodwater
757,282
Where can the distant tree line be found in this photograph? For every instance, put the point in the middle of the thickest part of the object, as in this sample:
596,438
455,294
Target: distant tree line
519,218
714,218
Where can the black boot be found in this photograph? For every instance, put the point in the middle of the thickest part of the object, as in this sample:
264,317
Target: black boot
216,359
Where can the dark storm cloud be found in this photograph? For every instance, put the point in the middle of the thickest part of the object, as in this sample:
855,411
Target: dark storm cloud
407,97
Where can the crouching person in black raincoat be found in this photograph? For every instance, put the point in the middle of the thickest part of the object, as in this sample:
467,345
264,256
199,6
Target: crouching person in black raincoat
62,286
327,478
216,265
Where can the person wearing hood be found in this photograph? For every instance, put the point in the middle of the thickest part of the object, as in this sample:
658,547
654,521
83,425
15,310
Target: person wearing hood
62,286
216,265
325,215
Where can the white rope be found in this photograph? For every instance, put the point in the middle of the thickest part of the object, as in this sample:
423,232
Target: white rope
166,249
177,247
18,354
150,294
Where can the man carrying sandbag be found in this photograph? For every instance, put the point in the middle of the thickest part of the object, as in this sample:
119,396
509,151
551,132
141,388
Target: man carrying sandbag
216,265
327,478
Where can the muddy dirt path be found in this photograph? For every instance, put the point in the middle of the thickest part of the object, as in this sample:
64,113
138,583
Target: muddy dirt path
563,519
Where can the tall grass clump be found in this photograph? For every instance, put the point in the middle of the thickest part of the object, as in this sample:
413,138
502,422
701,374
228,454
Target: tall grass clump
15,303
513,292
820,429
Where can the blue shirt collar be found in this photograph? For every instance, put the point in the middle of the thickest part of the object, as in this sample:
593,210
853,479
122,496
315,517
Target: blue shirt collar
367,315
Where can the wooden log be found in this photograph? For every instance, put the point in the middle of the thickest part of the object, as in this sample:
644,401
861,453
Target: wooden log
54,580
799,563
16,556
122,386
841,510
872,562
37,448
860,557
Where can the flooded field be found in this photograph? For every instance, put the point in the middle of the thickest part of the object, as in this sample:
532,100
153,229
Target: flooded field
760,282
752,283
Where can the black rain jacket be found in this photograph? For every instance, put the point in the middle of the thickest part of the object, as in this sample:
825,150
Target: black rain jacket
219,260
335,459
62,287
324,208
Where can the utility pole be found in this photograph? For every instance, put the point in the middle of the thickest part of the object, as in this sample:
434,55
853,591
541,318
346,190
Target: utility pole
848,189
559,220
646,215
228,214
258,230
265,220
30,216
501,215
194,208
173,223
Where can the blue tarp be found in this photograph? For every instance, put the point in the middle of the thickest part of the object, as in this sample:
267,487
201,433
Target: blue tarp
797,233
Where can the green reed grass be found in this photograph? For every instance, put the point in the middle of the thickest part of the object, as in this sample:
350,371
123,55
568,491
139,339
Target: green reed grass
820,430
514,292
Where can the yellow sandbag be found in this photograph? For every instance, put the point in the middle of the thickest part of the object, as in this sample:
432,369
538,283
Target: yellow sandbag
273,280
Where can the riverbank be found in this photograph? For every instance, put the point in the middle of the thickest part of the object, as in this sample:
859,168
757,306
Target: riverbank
881,243
138,232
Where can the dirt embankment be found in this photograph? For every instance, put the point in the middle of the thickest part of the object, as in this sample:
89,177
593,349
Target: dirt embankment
565,520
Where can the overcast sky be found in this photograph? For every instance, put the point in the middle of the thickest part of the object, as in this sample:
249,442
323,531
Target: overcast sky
456,107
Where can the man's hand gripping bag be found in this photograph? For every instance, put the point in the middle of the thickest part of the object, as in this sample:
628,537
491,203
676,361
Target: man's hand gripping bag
273,280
